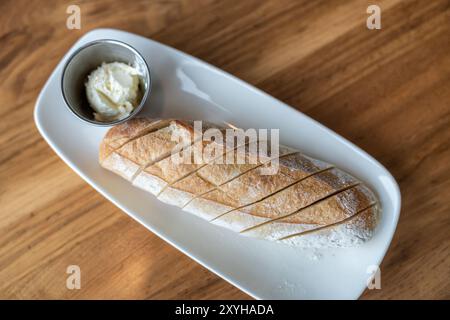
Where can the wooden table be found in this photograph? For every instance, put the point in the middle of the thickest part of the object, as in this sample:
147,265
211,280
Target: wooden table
386,90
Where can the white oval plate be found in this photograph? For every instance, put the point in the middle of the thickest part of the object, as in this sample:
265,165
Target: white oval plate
187,88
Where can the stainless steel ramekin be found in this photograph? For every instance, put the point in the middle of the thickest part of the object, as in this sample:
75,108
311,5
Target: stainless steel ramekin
87,58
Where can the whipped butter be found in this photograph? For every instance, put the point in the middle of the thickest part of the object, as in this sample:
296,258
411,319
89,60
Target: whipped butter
113,91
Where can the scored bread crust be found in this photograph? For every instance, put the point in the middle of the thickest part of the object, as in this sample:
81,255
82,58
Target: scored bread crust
307,202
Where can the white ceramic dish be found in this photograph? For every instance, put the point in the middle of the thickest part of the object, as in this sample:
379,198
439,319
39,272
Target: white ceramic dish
187,88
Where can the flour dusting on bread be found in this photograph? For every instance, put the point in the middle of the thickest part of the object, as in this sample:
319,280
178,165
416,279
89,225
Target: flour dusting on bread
304,203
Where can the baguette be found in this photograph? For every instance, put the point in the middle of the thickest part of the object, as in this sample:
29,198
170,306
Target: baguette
307,202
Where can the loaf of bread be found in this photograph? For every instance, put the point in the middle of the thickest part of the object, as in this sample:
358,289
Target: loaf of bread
305,202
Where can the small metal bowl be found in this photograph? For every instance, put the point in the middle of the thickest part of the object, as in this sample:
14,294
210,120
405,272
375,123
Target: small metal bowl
86,59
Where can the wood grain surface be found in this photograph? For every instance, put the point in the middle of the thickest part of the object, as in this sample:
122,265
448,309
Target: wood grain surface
386,90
